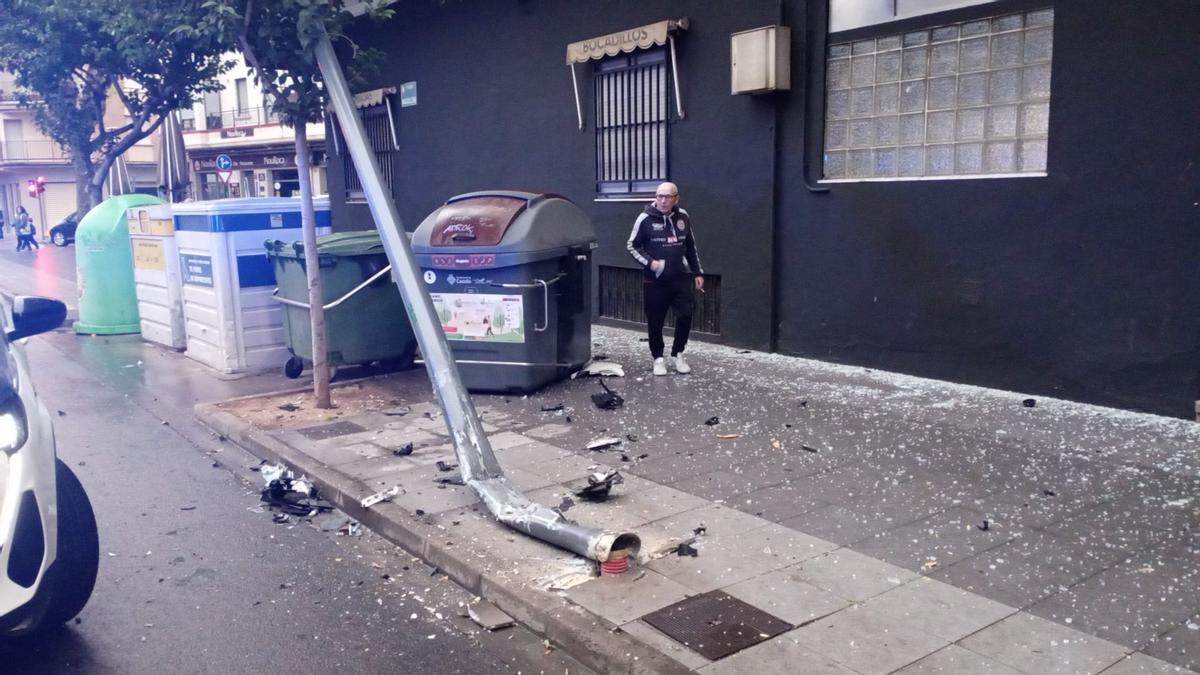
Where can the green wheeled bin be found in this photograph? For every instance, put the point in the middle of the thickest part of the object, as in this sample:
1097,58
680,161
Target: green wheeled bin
365,317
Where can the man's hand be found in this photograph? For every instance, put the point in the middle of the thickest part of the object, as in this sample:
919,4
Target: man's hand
700,283
657,266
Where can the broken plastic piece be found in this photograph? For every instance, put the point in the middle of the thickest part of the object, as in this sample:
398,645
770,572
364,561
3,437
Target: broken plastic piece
808,448
1029,402
985,526
381,496
453,479
686,549
444,466
289,407
603,444
607,399
601,369
599,485
712,421
403,451
552,408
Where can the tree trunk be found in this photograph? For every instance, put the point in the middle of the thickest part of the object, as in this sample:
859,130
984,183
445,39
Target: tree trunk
316,298
86,198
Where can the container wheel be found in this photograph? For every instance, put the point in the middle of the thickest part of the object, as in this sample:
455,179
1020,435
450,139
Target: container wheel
293,367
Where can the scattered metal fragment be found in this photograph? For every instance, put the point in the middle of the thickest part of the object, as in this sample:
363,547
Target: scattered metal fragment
552,408
444,466
488,616
603,443
381,496
712,421
289,407
1029,402
600,483
403,451
607,399
686,549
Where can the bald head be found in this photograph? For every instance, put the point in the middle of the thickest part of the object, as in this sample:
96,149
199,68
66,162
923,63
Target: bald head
666,196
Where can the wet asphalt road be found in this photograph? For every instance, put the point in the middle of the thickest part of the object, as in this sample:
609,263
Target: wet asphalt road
194,576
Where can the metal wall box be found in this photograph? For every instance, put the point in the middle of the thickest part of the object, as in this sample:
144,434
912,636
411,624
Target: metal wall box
760,60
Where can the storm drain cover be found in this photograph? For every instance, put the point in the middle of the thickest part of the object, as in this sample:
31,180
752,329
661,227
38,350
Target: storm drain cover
716,624
331,430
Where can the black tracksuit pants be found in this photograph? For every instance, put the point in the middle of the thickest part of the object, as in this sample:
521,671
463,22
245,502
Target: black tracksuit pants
660,296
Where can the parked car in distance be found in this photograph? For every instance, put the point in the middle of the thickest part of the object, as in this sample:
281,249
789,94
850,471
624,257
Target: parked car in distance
63,233
49,548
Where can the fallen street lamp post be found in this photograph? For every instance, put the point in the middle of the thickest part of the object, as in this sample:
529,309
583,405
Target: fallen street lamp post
477,462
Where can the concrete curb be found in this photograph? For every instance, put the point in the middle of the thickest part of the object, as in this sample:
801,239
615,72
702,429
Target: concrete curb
587,637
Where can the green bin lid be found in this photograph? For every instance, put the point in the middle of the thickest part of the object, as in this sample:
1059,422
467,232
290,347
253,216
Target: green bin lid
340,244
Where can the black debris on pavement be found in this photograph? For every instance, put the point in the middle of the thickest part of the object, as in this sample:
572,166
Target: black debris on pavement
62,413
289,407
686,549
568,418
607,399
803,404
700,531
744,351
624,457
419,512
403,451
443,466
566,504
552,408
600,357
291,495
984,526
1050,493
453,479
632,438
1029,402
602,444
187,508
712,421
599,485
808,448
280,518
646,339
644,455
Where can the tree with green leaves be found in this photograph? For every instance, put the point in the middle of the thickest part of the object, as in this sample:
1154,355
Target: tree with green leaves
70,56
278,40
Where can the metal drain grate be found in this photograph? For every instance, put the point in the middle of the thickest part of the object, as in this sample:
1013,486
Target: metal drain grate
324,431
716,624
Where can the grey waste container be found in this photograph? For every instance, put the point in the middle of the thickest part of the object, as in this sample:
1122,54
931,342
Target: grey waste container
510,277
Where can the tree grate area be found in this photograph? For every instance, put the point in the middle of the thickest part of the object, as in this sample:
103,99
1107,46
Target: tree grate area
320,433
716,624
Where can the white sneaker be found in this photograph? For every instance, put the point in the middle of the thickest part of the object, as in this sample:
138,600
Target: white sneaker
660,366
681,366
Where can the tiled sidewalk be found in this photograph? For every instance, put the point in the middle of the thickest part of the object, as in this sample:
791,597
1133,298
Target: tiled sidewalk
851,505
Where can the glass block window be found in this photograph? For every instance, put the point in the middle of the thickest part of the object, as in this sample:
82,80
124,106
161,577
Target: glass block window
968,99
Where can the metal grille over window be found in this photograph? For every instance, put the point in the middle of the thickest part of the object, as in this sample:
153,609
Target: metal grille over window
621,298
967,99
631,123
379,133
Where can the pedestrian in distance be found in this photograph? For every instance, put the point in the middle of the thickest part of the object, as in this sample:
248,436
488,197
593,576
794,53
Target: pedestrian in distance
1,224
26,240
664,244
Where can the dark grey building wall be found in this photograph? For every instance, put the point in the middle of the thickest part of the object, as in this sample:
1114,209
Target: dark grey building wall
496,110
1081,284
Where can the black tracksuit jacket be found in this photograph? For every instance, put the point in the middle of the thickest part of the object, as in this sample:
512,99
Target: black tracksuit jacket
669,238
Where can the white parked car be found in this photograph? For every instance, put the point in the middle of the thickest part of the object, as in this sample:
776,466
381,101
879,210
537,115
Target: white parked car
49,549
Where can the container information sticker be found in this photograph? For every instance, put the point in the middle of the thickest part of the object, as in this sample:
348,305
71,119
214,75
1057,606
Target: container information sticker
197,269
479,317
148,255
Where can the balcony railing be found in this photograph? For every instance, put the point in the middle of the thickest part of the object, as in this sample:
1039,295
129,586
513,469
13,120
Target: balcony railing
230,119
31,151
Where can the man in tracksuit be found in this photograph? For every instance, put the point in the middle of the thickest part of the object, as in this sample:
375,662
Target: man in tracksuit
663,242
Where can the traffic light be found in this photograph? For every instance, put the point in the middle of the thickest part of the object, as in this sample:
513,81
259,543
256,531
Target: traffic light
41,184
33,188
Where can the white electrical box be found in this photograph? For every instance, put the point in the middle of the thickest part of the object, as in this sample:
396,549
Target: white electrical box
760,60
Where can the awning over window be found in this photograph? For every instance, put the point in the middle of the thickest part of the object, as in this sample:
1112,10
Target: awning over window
642,37
362,101
373,97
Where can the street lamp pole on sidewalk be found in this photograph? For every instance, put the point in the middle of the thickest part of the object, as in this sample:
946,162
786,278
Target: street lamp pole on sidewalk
480,469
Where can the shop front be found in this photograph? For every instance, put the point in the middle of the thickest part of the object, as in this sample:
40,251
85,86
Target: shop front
254,172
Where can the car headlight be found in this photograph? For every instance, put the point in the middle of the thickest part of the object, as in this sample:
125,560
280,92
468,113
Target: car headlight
14,427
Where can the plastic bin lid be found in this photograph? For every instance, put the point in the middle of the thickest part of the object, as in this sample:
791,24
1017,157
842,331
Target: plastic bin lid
341,244
528,225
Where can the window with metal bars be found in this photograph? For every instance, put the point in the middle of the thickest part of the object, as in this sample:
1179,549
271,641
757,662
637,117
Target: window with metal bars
632,97
379,134
622,292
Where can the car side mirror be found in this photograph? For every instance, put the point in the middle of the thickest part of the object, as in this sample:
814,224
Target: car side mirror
32,314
